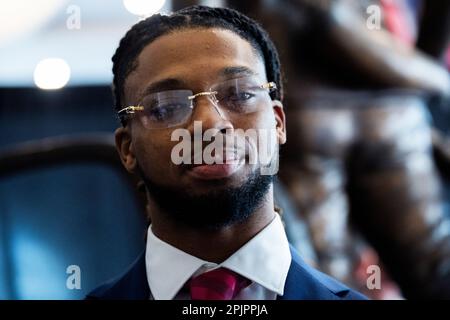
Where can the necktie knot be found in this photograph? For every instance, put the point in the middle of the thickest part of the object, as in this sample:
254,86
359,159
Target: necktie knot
218,284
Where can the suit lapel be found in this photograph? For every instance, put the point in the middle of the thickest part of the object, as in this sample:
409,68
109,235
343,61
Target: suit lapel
301,284
293,290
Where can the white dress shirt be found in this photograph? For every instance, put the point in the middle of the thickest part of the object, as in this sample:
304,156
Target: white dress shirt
265,260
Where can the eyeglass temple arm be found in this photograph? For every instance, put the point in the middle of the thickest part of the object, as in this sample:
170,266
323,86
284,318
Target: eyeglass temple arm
269,86
130,110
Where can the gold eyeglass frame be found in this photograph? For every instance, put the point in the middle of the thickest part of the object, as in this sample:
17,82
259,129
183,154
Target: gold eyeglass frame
132,109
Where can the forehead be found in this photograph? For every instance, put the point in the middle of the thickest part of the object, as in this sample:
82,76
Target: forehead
195,56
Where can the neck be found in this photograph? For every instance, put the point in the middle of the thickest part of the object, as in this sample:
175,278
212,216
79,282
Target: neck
212,245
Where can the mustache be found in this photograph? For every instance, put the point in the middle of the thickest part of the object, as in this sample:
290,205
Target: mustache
220,149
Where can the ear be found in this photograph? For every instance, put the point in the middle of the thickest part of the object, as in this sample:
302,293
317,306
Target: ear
125,148
280,121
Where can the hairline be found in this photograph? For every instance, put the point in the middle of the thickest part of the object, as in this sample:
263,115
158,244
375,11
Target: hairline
135,63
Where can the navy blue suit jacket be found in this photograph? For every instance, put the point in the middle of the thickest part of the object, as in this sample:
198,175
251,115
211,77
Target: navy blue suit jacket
303,283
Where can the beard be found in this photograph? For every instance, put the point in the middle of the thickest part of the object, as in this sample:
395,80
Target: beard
215,209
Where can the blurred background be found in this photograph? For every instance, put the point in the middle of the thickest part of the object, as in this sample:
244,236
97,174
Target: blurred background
364,177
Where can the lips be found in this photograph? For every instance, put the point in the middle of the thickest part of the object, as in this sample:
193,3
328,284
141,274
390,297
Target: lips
215,171
218,170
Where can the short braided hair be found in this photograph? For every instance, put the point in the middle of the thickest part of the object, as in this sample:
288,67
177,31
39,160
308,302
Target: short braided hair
146,31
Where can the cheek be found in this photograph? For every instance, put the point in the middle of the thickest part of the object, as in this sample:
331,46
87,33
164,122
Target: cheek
153,155
261,120
263,137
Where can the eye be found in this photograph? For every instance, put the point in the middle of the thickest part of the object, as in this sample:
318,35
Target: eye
238,100
242,96
158,114
238,95
163,112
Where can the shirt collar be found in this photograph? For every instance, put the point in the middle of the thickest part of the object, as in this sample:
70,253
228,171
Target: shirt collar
264,259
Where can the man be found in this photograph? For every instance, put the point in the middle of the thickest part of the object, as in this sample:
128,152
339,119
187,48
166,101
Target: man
214,233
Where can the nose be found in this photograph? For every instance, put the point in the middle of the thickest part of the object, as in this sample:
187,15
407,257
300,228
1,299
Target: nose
211,116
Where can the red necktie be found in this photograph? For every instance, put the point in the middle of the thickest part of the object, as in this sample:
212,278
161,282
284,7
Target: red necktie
218,284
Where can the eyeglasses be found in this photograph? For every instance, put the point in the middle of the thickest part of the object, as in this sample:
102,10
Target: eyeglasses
170,108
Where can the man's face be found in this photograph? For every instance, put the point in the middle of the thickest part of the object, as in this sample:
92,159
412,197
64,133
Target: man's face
196,59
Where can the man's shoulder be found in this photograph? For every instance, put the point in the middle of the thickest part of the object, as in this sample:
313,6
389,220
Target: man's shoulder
131,285
307,283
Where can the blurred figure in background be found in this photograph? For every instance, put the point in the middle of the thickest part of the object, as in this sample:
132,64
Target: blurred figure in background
362,79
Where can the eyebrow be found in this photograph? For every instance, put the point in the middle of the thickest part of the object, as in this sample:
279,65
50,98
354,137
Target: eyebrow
237,71
174,83
165,84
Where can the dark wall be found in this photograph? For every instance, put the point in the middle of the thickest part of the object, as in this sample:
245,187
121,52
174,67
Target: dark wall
80,214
